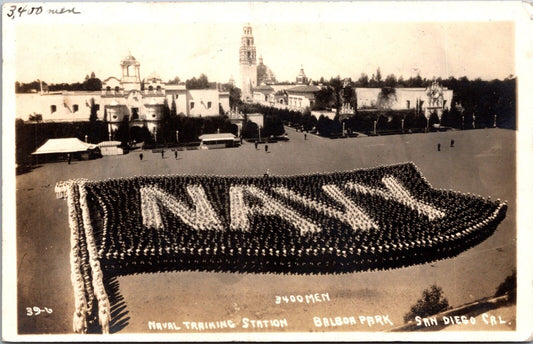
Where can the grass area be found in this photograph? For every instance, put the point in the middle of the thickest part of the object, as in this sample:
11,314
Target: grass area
482,162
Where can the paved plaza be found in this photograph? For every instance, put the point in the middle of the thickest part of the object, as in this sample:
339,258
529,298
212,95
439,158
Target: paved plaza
482,162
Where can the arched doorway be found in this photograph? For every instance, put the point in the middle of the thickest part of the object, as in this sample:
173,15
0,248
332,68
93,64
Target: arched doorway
137,134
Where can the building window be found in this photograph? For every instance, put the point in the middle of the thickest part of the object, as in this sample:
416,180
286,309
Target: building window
158,88
134,113
108,88
209,105
75,108
117,88
53,108
192,105
150,88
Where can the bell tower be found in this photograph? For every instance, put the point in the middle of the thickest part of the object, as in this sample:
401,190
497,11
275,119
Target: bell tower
131,78
248,63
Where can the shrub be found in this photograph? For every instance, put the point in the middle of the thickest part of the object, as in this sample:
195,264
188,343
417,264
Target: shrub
432,302
508,287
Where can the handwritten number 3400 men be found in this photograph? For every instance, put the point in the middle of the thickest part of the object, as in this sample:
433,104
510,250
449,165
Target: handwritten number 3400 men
13,10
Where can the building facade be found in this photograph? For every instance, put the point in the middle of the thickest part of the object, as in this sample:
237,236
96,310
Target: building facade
302,96
122,99
433,99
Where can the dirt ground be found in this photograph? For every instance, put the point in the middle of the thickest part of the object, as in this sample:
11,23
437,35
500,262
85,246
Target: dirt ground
482,162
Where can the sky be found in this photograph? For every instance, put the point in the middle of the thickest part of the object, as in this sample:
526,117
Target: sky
68,52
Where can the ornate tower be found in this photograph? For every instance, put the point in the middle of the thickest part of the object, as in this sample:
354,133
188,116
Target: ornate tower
248,64
131,78
301,78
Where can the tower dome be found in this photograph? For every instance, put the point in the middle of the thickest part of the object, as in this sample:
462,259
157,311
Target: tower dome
131,76
264,74
130,60
301,78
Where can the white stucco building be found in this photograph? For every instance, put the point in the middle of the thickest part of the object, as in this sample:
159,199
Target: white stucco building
122,99
433,97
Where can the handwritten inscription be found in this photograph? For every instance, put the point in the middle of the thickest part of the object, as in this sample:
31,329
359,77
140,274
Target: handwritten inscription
18,11
33,311
309,298
63,10
15,10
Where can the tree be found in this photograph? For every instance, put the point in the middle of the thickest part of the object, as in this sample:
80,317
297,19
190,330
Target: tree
93,76
328,127
308,121
349,96
250,130
362,81
337,86
93,117
401,81
390,81
432,302
175,81
195,84
234,96
273,126
386,98
173,109
92,84
123,131
166,109
378,77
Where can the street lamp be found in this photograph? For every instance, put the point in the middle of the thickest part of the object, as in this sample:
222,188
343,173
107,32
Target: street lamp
343,126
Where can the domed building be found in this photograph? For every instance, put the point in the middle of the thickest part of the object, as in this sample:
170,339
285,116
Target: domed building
264,74
302,78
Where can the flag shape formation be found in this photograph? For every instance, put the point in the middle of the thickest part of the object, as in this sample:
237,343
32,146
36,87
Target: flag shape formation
380,218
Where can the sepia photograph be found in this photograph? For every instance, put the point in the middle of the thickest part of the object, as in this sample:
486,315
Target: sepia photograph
266,171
